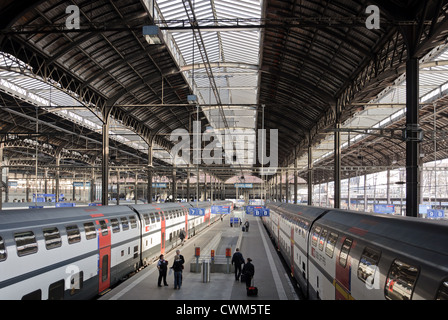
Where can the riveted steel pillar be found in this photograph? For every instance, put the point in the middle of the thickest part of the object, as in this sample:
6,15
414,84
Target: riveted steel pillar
412,140
412,132
310,176
105,166
337,166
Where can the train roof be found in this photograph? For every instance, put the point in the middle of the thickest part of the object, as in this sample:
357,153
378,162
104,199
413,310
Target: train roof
25,217
428,234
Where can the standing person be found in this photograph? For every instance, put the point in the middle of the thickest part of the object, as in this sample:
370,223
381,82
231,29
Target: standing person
248,272
162,265
182,236
181,257
247,225
177,268
238,259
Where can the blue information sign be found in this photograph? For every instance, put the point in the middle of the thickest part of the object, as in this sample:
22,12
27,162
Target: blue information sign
435,214
384,208
220,210
197,212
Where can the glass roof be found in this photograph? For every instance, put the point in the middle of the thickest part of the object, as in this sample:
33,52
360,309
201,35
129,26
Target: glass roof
222,65
17,78
390,105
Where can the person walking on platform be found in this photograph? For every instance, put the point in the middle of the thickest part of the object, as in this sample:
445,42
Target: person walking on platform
177,268
238,259
246,225
248,272
182,236
162,265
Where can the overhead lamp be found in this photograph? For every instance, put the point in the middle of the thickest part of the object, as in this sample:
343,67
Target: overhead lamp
192,99
152,34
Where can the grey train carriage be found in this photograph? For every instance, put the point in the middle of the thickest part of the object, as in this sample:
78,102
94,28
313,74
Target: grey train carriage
344,255
78,253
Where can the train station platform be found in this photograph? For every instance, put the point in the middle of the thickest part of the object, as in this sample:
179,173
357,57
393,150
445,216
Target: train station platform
270,278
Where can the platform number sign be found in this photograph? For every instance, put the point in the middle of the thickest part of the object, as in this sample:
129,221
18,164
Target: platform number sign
435,214
261,212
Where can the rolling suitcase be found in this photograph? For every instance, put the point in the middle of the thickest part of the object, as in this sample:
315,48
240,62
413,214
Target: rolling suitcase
244,229
252,291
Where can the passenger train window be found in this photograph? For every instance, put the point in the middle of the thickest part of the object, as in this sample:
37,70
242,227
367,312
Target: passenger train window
151,215
115,225
345,251
56,290
52,238
368,265
331,242
400,281
73,234
158,216
442,294
146,217
322,238
89,230
103,226
124,223
133,222
2,250
35,295
25,243
316,232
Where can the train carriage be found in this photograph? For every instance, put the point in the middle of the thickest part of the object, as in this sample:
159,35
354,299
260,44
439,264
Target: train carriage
69,249
351,255
77,253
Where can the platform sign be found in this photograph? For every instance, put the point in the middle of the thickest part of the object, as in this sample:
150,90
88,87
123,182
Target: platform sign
65,204
220,210
197,212
384,208
266,212
160,185
435,213
250,209
244,185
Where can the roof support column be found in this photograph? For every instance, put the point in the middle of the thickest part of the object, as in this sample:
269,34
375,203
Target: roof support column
412,143
150,166
188,186
58,162
413,130
105,159
281,185
310,175
337,161
174,186
287,187
295,176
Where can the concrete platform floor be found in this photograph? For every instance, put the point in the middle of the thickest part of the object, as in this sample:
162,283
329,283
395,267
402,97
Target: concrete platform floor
270,276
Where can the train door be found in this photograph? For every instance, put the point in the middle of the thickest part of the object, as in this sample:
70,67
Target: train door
163,231
104,245
343,271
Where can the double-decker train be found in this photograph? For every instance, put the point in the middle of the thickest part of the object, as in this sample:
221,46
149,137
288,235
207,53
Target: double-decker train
343,255
78,253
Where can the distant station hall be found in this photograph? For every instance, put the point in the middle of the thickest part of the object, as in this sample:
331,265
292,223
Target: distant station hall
310,135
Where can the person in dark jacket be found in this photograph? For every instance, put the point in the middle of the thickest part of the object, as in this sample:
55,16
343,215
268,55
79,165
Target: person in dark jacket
162,265
248,272
238,260
177,268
